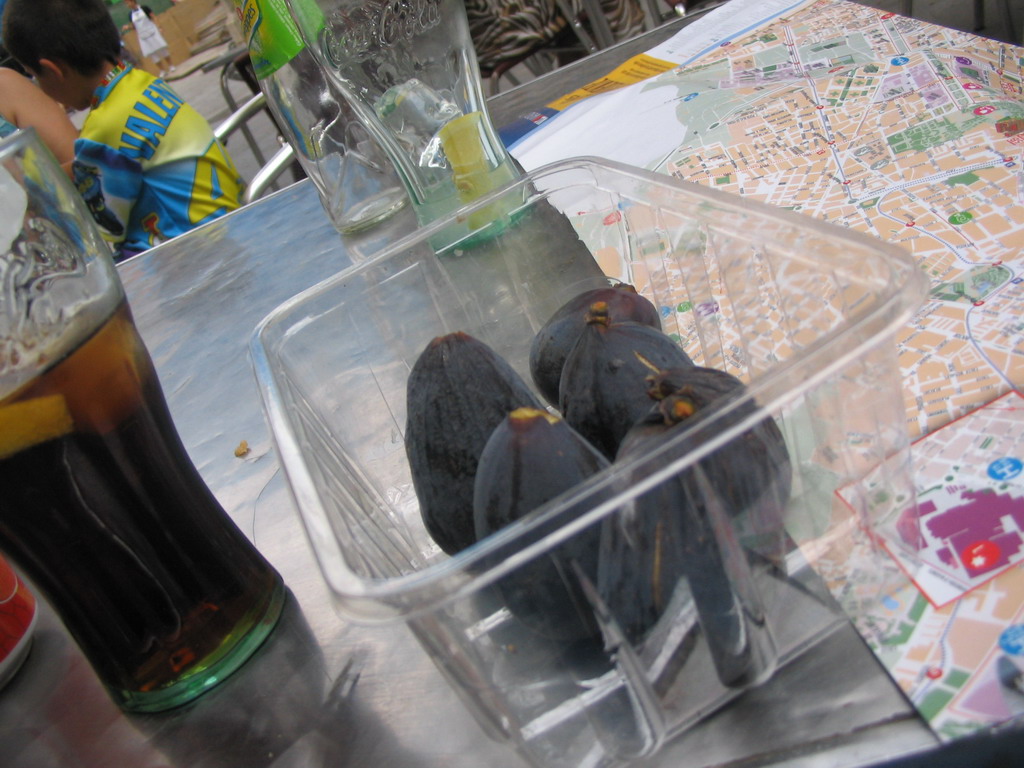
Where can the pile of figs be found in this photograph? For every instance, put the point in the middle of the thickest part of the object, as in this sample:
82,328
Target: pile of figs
485,451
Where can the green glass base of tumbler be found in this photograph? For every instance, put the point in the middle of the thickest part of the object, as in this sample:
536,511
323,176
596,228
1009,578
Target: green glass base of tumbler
232,654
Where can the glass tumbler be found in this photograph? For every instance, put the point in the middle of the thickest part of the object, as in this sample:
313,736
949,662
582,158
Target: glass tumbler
100,506
408,71
355,179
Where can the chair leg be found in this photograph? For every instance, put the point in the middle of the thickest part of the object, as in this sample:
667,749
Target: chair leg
907,8
652,16
603,35
225,76
576,24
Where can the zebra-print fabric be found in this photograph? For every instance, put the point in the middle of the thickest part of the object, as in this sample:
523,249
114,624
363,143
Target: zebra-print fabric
625,17
507,29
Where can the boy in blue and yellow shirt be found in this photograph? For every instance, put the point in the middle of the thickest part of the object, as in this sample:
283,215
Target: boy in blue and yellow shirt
146,163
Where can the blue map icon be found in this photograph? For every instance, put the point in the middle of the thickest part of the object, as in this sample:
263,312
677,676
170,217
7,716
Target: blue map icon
1005,468
1012,639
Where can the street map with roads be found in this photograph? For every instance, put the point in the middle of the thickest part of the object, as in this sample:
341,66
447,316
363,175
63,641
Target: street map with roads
914,134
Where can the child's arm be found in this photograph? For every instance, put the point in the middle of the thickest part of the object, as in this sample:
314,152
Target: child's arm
25,105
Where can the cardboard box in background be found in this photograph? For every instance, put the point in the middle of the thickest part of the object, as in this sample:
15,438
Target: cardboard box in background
189,27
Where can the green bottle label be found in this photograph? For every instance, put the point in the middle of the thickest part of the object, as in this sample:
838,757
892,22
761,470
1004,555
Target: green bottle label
272,36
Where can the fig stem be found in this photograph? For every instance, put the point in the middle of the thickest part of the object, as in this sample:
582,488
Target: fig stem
599,314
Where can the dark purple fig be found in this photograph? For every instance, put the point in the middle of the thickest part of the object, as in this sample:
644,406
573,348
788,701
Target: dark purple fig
689,527
532,457
603,390
669,540
756,463
553,343
705,385
458,391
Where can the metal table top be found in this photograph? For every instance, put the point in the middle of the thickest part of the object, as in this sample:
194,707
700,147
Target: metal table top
323,691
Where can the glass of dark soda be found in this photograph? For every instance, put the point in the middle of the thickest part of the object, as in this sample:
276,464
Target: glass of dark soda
100,505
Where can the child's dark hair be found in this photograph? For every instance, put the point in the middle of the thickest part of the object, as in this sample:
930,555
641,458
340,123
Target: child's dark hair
80,33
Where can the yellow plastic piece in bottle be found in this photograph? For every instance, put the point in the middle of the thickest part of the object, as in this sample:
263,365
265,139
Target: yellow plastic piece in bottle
463,140
30,422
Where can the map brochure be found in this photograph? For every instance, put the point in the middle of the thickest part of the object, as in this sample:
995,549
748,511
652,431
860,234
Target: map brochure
954,641
691,42
911,133
894,127
969,524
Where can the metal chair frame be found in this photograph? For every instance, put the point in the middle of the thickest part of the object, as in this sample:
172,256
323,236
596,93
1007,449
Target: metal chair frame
230,67
269,170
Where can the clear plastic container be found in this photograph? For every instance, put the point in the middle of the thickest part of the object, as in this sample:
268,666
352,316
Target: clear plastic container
804,313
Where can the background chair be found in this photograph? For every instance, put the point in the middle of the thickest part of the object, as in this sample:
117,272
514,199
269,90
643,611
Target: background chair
270,170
